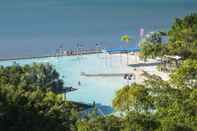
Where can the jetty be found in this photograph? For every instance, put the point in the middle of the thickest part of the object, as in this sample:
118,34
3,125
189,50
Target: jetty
57,54
105,74
62,52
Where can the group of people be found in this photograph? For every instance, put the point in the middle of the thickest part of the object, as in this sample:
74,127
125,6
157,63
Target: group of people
128,76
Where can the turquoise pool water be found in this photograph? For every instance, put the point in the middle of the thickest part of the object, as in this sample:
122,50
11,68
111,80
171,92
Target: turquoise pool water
99,89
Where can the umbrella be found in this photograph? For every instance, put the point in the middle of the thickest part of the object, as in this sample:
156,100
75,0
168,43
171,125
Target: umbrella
125,38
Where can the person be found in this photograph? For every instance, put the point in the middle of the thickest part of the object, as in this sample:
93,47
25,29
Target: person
125,76
79,83
130,76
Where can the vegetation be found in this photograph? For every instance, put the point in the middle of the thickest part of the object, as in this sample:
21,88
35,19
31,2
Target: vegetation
151,45
186,74
182,40
32,77
29,100
183,37
132,98
168,107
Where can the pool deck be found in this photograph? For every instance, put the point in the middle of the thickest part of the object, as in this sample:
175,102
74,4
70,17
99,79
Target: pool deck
138,67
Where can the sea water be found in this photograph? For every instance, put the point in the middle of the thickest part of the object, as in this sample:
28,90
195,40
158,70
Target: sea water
39,27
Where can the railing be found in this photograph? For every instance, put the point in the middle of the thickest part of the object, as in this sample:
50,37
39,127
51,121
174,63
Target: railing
78,52
58,54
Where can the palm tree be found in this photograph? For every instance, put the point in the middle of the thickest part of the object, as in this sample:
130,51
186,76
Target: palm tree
133,97
126,39
121,101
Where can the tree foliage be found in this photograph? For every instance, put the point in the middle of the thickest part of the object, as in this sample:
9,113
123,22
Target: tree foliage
183,37
108,123
31,77
151,45
132,98
171,108
27,102
182,40
172,104
186,74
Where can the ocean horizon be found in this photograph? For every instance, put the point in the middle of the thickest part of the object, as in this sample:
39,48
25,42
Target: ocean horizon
39,27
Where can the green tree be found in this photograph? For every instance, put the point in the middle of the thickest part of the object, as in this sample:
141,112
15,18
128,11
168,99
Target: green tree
134,97
42,76
174,108
135,121
33,110
151,45
185,75
28,101
183,37
108,123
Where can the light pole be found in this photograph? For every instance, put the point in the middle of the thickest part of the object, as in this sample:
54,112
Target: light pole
97,49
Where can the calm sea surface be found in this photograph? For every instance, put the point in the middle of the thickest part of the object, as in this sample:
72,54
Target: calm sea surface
38,27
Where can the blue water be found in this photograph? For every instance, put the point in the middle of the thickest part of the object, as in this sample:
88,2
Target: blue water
99,89
38,27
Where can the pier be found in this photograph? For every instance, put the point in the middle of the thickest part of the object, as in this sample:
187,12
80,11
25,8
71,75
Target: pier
62,52
58,54
105,74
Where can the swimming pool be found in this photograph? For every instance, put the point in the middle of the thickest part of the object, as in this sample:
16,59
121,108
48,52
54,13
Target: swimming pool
99,89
